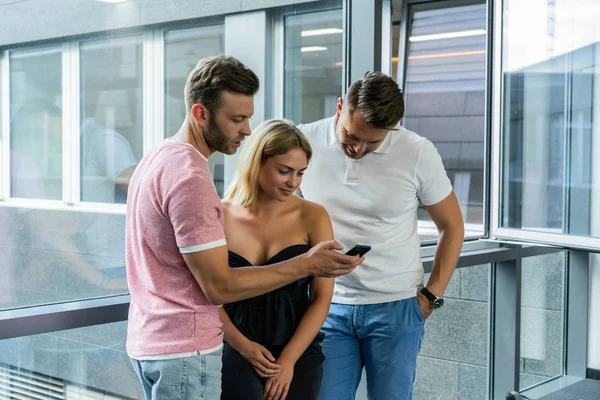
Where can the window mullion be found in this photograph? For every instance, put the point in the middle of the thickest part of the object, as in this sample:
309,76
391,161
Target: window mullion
71,123
5,128
153,88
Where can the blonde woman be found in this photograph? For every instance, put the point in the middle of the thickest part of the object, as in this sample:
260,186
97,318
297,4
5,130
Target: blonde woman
272,342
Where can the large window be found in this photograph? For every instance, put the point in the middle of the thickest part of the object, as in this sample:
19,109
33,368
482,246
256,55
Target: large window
111,117
313,65
445,88
551,139
183,49
36,134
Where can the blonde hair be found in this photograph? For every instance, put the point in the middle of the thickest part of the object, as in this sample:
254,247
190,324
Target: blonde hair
271,138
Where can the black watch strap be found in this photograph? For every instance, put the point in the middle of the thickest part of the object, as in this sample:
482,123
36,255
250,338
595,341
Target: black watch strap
436,302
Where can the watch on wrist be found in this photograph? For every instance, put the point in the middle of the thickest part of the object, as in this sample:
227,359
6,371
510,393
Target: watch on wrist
435,301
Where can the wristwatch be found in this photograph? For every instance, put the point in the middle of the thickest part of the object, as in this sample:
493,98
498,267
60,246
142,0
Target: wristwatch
436,302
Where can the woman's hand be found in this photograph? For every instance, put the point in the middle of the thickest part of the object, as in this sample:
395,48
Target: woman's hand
260,359
277,387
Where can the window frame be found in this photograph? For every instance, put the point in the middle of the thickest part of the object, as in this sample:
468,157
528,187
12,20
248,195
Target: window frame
473,232
279,16
153,110
497,232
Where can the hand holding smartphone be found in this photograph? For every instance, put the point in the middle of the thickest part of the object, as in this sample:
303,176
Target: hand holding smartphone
359,249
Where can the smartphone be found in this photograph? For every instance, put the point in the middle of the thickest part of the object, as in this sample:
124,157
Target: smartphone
359,249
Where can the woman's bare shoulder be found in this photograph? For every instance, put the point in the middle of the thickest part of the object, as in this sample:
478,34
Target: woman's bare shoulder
231,210
311,211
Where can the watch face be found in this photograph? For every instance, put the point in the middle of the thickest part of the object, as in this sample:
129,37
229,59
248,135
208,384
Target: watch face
437,303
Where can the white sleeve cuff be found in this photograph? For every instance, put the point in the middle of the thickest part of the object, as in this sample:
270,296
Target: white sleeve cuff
202,247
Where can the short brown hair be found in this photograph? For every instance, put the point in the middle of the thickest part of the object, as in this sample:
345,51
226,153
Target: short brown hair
214,75
379,99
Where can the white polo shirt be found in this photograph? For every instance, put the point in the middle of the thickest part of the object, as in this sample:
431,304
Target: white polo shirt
373,201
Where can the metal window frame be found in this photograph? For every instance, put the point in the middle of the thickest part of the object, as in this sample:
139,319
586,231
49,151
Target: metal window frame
364,27
497,231
153,103
6,198
386,37
71,110
153,108
278,46
5,127
405,26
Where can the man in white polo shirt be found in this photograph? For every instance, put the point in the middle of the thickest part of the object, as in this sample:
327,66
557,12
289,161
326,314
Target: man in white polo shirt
371,175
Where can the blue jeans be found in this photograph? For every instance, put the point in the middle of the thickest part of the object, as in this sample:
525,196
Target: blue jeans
196,377
384,338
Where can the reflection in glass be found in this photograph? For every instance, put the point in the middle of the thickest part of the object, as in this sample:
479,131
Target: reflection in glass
111,117
550,179
183,49
542,318
52,256
85,363
36,123
313,65
445,84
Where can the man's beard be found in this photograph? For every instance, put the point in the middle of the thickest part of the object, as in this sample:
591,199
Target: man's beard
216,139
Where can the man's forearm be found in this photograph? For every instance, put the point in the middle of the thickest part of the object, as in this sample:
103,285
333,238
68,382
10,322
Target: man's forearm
247,282
446,258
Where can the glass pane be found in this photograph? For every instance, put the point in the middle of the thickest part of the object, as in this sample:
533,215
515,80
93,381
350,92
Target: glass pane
85,363
111,117
313,65
183,49
550,179
49,256
453,360
542,318
445,85
36,123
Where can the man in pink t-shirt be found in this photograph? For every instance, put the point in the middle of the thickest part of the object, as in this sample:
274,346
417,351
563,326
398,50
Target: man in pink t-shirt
177,262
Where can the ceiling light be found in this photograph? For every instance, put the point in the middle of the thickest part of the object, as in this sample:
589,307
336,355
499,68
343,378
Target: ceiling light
113,1
312,48
447,35
319,32
445,55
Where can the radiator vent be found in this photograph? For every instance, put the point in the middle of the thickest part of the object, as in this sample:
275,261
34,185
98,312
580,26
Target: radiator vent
19,384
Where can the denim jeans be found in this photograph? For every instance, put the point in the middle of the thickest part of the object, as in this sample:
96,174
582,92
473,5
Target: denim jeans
197,377
383,338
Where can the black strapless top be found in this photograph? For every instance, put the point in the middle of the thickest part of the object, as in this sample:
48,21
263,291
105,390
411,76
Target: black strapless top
272,318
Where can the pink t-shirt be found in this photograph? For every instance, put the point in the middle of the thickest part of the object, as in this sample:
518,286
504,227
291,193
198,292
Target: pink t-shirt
172,208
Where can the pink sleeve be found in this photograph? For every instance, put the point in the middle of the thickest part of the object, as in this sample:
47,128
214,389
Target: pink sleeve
195,211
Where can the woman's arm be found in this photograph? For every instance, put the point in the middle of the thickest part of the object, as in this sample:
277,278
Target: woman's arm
255,354
231,334
319,230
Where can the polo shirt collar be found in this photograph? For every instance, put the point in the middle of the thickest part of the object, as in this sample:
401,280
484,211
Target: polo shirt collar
332,139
